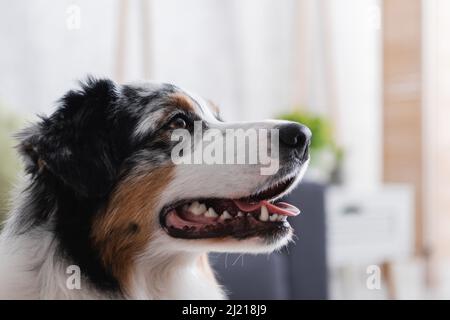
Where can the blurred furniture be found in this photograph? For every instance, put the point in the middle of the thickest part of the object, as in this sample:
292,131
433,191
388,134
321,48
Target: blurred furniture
369,227
298,272
403,112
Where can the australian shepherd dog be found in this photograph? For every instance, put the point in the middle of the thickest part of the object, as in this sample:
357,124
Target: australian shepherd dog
102,198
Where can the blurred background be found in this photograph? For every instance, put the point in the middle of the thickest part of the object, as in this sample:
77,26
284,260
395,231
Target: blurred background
369,77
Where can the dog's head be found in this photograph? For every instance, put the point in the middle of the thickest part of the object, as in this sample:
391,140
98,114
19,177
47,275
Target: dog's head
108,155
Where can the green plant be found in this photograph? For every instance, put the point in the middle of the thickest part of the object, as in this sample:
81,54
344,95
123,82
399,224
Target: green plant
9,162
319,126
326,156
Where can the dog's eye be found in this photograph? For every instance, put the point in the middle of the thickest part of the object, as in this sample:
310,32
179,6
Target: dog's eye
178,122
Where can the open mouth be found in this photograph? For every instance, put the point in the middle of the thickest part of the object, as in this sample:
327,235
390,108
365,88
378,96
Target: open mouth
252,216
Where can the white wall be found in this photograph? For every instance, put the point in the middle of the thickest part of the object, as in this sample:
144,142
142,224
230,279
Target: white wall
241,54
358,57
237,55
40,58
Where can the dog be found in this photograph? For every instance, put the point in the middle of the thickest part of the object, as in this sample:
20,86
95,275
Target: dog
101,198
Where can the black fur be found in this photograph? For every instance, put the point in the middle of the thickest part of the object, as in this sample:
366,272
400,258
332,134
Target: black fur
76,156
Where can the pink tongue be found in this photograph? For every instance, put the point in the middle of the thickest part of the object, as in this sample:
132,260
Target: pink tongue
283,208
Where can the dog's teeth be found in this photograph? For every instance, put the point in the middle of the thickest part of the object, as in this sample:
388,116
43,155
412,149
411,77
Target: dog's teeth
193,207
264,216
225,215
281,218
196,208
211,213
195,204
273,217
202,208
240,214
249,215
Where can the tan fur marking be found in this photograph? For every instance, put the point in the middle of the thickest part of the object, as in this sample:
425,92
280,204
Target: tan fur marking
126,226
182,101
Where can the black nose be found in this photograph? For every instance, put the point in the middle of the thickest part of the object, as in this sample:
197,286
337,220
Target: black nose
295,135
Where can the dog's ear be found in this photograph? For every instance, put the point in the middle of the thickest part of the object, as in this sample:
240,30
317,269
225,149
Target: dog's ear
77,144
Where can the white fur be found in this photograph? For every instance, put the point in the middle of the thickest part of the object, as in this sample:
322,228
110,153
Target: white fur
31,268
